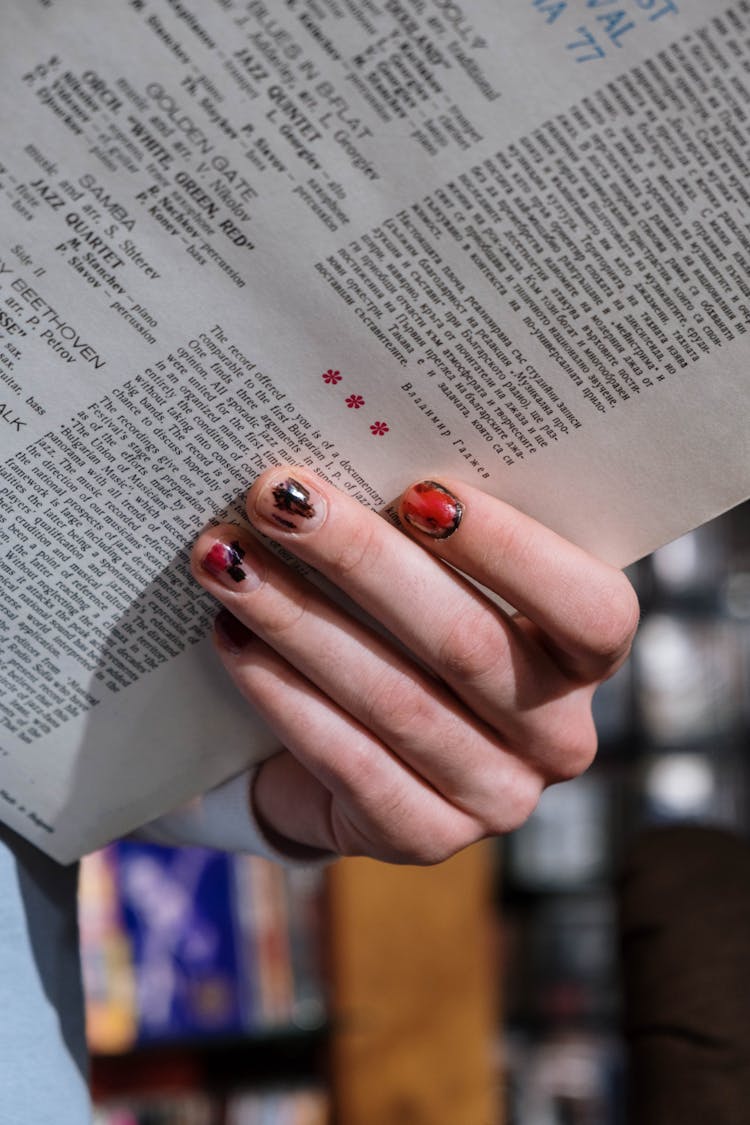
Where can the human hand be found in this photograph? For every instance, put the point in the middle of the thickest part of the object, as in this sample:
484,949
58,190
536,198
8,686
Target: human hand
410,747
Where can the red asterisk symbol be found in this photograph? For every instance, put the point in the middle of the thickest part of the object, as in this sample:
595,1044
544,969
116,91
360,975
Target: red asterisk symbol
379,428
355,401
331,376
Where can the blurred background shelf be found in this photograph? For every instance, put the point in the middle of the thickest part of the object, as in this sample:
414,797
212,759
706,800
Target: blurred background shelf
674,727
385,1005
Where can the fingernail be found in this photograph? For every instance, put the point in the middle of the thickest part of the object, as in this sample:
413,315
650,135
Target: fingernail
291,505
232,634
432,509
229,563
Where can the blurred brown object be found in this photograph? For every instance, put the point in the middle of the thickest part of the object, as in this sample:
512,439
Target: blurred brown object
414,989
684,903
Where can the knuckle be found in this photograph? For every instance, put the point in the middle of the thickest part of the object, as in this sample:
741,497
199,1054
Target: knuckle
429,855
360,773
282,617
614,621
514,538
428,848
359,549
474,646
408,833
574,751
397,704
516,803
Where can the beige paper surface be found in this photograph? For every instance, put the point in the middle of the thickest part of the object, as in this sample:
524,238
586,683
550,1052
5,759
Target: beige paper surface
510,242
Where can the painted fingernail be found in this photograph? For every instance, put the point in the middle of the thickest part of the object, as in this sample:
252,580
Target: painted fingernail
291,505
432,509
229,563
232,634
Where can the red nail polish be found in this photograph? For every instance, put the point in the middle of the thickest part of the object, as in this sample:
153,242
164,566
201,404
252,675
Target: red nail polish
228,563
432,509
